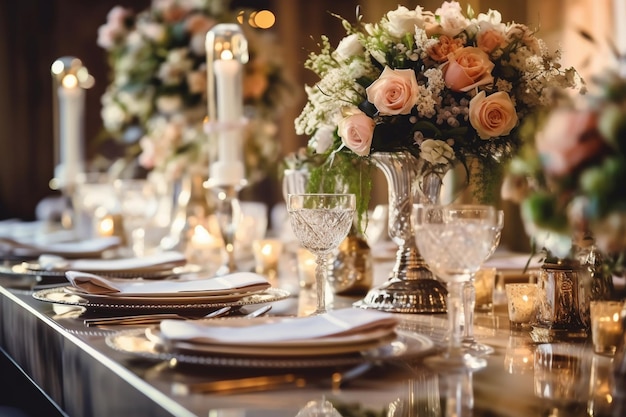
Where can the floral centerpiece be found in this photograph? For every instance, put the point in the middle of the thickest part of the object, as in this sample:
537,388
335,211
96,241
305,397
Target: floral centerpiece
569,176
445,86
156,100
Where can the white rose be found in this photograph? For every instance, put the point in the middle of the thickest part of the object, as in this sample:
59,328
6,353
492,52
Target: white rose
402,21
436,152
348,47
451,19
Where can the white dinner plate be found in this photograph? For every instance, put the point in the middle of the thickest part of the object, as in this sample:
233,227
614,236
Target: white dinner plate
402,346
296,348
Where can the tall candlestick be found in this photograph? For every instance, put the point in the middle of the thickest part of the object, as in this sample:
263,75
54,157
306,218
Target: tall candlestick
70,79
227,51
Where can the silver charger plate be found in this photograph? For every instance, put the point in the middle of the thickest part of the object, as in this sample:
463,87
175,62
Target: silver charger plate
34,269
59,295
406,345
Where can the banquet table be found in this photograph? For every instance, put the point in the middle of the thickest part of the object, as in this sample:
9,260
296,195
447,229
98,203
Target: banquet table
78,374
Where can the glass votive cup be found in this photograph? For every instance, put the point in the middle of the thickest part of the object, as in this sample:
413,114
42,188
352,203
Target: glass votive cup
306,262
606,325
522,303
484,283
267,253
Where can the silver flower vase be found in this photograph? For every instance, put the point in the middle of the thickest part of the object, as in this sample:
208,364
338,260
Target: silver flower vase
411,286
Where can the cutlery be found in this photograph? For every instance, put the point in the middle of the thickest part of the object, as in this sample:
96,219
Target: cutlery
156,318
259,311
152,318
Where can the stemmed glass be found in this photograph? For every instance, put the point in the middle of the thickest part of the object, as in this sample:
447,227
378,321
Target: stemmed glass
321,222
138,202
469,297
454,241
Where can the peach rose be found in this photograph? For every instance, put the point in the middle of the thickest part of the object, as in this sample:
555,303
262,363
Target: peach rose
356,130
446,45
490,40
467,68
492,115
394,92
569,139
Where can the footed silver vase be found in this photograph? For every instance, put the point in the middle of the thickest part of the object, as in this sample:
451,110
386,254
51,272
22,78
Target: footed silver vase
411,286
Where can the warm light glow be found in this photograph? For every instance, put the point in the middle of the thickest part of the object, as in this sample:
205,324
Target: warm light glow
201,237
251,20
57,67
267,249
525,298
264,19
616,317
70,81
106,226
226,55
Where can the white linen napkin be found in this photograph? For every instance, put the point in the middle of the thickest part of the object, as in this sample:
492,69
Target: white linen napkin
334,323
157,262
94,284
73,249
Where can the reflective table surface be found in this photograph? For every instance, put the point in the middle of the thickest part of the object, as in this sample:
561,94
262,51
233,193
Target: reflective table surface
74,366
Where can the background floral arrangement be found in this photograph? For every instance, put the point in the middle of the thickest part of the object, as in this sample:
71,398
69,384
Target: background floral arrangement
156,101
445,86
569,176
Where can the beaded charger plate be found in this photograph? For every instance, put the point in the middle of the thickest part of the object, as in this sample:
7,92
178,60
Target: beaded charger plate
60,295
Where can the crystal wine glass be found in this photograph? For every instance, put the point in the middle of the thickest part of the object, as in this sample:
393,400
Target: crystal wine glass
454,241
469,295
321,222
138,202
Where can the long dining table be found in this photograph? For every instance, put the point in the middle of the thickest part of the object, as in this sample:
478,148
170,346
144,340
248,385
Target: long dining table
78,374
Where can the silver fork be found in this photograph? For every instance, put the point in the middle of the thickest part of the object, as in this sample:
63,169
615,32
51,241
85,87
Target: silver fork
151,318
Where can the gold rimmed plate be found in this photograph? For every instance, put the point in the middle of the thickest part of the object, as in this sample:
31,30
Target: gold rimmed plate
403,345
60,295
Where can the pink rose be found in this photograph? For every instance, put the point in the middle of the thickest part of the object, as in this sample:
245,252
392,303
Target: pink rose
569,139
439,52
490,40
492,115
394,92
467,68
356,130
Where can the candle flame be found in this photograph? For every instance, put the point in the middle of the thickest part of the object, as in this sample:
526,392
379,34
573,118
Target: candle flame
226,55
70,81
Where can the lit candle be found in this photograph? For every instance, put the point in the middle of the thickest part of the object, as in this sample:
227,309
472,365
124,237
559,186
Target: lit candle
229,106
227,51
71,110
606,325
521,302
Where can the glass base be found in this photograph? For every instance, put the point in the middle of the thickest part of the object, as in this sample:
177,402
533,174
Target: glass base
451,361
476,348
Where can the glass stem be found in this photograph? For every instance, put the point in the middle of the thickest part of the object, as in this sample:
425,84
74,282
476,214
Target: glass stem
320,283
455,315
469,303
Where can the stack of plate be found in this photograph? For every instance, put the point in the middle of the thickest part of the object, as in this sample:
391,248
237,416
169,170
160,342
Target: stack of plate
193,292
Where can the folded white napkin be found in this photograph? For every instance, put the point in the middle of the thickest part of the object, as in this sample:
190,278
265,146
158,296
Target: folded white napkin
334,323
94,284
89,247
157,262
